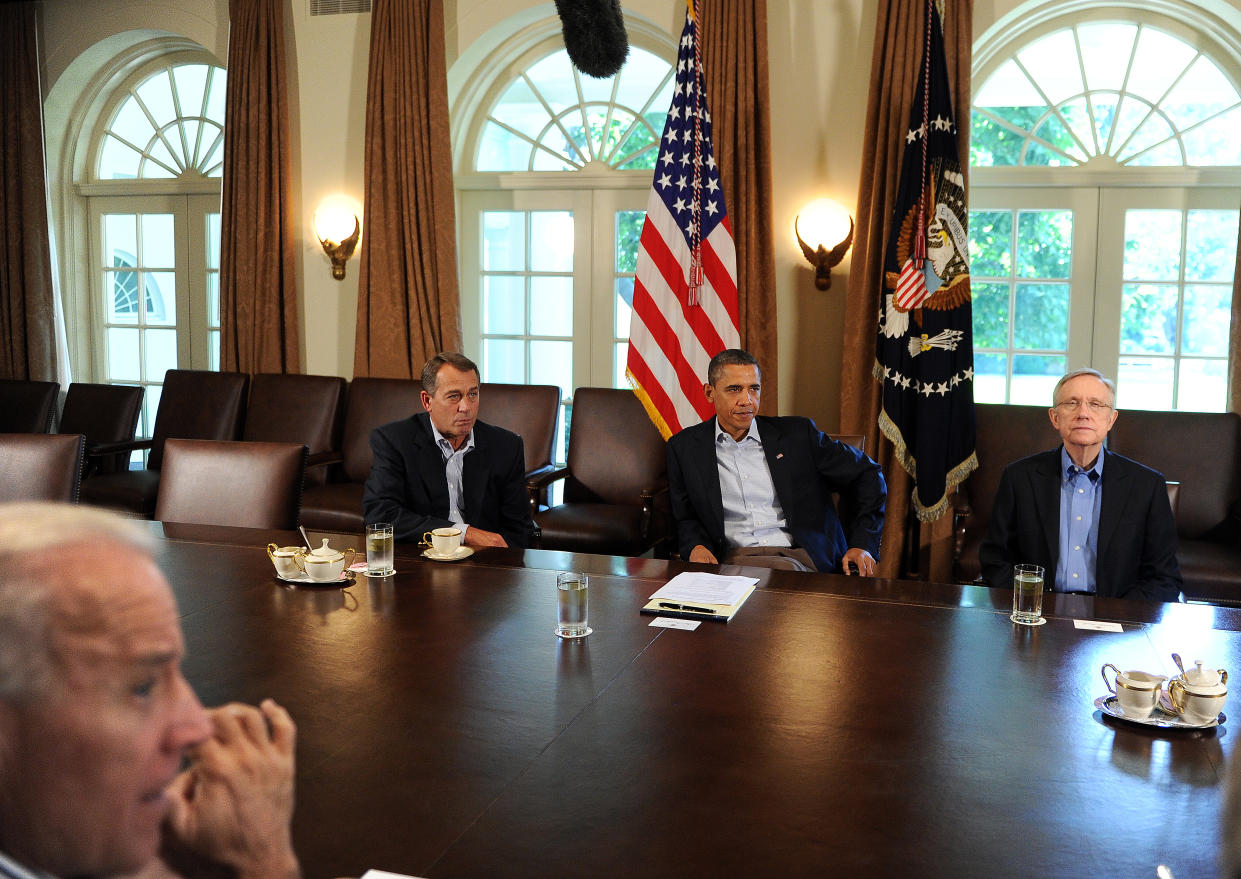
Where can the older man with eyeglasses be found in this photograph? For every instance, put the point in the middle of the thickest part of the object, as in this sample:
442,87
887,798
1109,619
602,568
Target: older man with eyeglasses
1097,522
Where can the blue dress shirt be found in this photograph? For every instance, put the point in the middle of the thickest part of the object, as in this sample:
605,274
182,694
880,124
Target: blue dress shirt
1081,496
454,463
752,512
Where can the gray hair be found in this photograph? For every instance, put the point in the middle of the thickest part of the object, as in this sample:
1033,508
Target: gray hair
730,357
32,534
1085,370
455,359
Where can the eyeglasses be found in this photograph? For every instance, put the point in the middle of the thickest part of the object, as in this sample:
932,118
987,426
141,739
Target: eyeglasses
1095,406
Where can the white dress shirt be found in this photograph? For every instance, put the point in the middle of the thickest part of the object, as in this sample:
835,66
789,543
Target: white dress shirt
752,512
454,464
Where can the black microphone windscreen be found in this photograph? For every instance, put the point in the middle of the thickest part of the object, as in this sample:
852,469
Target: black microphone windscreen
594,35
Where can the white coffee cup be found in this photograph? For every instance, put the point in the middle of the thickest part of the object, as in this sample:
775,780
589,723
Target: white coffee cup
1137,692
284,558
443,541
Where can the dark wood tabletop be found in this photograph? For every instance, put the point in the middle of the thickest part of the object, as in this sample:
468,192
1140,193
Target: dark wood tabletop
837,726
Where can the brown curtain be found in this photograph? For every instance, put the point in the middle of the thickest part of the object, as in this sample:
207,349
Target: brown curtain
895,66
27,310
258,286
734,56
408,305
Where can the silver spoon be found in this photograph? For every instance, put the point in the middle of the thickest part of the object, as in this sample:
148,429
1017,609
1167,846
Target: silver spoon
1176,657
302,528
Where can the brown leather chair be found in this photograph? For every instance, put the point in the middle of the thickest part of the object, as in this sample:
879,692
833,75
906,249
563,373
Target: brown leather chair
27,406
106,415
192,405
40,467
297,409
531,412
615,484
337,504
1004,434
1201,451
250,485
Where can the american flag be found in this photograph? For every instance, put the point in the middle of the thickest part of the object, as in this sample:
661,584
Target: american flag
685,292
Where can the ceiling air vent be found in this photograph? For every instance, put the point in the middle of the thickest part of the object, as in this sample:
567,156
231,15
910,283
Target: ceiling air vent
339,7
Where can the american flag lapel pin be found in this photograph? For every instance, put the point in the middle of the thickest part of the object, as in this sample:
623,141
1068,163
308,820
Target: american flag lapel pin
779,455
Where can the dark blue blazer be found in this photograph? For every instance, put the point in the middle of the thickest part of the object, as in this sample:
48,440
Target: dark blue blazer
806,467
1137,534
408,486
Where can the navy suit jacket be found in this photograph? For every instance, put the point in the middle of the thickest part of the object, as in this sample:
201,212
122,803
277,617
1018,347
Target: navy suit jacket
806,467
409,487
1137,534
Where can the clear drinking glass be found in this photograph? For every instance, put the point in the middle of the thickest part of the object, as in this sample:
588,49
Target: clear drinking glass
379,549
1027,595
572,605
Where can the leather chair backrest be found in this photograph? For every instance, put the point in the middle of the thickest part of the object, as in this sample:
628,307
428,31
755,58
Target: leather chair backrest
40,466
530,411
614,450
103,414
214,482
197,404
27,406
1004,434
296,409
1200,450
374,402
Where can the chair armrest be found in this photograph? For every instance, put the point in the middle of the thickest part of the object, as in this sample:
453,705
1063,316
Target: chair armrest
323,459
537,483
651,499
545,477
100,449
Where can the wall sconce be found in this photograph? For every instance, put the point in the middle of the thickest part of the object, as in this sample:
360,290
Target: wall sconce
824,221
338,229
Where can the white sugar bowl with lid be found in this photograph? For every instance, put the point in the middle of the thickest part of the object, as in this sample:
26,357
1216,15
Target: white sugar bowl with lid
324,564
1198,694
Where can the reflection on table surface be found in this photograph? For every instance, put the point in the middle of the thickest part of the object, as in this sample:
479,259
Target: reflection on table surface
862,727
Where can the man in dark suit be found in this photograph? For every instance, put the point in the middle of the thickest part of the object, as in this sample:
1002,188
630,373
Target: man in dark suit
755,490
1098,523
443,467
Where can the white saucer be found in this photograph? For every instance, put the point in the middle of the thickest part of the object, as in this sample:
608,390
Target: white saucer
462,552
1158,718
1013,617
304,580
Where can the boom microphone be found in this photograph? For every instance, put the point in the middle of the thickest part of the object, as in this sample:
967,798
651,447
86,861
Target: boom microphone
594,35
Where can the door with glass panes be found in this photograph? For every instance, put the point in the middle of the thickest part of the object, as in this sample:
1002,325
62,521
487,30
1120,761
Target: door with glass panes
156,262
547,287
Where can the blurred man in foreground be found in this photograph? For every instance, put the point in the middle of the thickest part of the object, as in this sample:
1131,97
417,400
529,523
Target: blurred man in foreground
97,721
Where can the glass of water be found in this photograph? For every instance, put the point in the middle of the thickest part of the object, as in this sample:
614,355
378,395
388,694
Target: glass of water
1028,595
379,549
572,605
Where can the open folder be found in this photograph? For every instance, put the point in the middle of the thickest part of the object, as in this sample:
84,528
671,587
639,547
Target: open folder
696,596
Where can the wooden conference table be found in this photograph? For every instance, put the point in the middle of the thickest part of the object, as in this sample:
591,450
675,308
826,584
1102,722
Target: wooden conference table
836,726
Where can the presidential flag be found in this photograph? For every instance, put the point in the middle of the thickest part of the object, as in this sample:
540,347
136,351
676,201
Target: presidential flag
685,291
925,352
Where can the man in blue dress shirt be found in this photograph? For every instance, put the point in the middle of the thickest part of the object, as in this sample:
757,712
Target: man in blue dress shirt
1098,523
754,490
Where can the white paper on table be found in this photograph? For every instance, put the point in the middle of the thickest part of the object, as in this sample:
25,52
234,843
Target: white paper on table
692,587
674,623
384,874
1097,626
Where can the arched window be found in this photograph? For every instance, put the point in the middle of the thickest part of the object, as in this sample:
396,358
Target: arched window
554,170
153,202
1107,175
